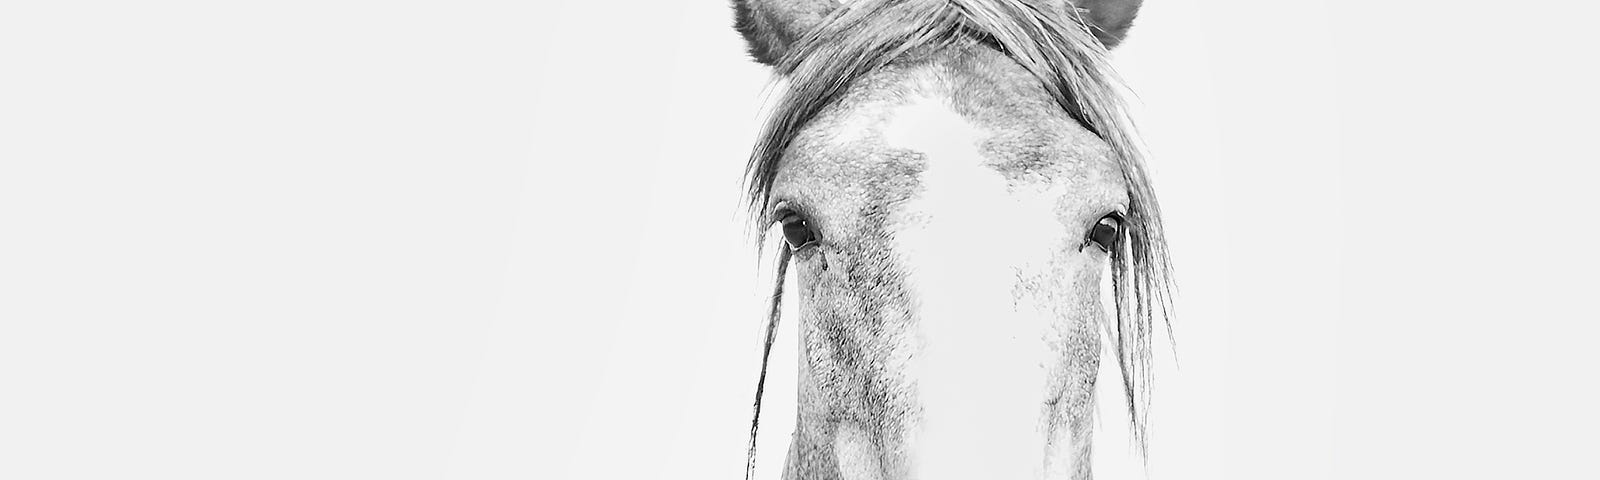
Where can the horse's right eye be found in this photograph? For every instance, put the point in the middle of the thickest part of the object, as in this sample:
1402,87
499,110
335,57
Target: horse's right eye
797,231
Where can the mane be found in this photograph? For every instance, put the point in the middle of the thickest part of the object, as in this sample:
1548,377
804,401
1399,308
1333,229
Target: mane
1060,51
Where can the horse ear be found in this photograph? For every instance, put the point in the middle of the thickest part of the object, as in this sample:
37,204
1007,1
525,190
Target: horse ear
1108,19
772,26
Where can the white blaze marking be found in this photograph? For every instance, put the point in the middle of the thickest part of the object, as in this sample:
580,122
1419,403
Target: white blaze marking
981,377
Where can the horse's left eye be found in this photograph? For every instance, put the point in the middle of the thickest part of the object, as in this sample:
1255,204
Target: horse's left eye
1106,233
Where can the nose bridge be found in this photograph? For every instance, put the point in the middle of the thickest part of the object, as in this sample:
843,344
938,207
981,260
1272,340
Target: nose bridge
969,265
981,369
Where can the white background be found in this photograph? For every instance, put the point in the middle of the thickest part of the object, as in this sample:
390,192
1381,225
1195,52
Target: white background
337,239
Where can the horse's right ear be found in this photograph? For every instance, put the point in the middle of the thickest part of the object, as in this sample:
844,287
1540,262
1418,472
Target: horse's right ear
772,26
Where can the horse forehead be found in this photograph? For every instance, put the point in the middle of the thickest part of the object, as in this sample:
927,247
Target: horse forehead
878,146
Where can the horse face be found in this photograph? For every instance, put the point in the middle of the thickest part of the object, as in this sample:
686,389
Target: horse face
951,230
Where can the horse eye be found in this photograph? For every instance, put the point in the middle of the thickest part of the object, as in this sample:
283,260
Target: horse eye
1107,232
797,231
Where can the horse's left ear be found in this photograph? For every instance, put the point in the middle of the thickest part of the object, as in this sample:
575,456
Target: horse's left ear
772,26
1108,19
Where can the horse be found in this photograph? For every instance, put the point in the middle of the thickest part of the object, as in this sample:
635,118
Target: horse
971,226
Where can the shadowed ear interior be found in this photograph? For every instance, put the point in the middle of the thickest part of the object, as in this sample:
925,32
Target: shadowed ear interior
770,27
1108,19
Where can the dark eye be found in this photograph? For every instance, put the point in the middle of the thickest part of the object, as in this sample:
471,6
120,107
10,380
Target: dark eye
796,230
1106,233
